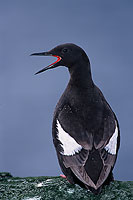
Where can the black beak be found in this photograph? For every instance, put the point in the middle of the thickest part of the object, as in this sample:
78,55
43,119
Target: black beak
51,66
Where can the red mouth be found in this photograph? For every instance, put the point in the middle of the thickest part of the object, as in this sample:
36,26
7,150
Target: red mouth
58,59
51,66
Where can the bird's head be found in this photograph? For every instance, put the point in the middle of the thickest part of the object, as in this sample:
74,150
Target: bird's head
67,55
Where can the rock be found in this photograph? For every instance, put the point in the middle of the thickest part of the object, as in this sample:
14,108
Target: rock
57,188
5,175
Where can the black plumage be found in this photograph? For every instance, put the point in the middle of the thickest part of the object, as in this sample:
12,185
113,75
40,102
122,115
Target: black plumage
85,129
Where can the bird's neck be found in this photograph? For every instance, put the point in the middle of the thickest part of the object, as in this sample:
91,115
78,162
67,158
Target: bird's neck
80,75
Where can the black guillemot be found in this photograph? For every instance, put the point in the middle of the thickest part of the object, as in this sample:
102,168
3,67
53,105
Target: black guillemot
85,130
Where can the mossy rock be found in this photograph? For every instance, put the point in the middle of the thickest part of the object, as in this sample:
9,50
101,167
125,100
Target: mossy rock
57,188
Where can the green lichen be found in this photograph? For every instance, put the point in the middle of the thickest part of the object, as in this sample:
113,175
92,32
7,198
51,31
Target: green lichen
57,188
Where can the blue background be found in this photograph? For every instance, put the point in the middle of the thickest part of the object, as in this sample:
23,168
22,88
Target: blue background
104,29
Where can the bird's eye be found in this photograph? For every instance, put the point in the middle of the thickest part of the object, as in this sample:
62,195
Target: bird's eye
64,50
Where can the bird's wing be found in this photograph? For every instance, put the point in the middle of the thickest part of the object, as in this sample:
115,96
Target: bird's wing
91,156
99,162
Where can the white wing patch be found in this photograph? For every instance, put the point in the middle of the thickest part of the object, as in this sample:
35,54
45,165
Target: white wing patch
69,145
112,145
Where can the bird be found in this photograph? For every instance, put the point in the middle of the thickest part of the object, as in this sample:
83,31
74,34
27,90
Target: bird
85,130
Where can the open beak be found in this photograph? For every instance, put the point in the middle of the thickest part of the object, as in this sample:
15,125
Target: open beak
51,66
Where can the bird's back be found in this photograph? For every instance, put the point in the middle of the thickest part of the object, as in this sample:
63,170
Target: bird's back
86,117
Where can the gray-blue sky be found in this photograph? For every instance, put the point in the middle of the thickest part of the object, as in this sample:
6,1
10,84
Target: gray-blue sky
104,29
